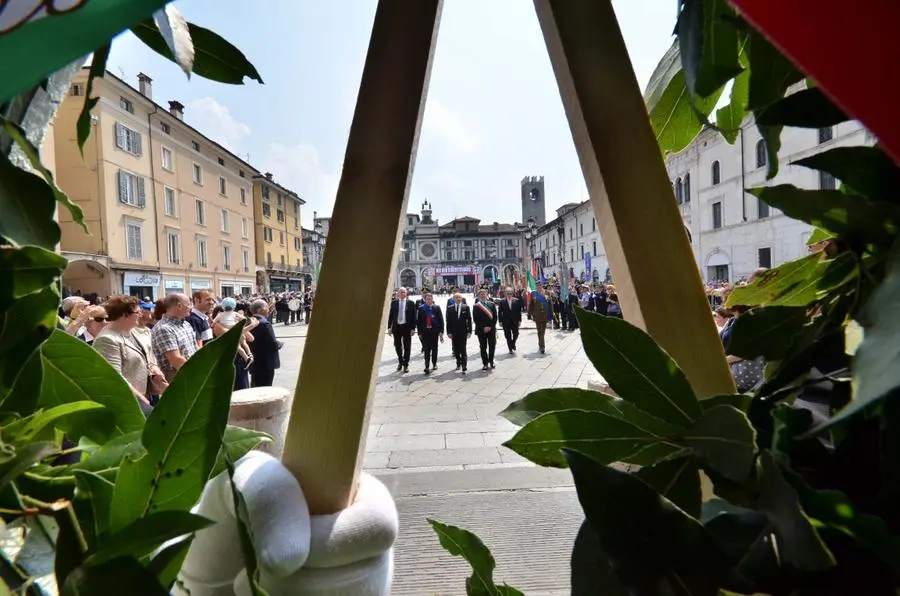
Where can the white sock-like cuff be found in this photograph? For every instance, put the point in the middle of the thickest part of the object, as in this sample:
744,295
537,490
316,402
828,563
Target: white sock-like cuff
364,530
369,577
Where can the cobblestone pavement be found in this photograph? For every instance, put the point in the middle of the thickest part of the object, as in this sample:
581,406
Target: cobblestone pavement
447,420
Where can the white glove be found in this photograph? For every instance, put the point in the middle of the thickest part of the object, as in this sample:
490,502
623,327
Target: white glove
346,553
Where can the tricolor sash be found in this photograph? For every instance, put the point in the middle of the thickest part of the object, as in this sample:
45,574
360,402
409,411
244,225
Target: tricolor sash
485,310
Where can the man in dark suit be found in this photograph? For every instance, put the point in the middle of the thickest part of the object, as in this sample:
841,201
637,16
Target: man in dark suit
573,301
599,301
430,325
484,319
459,328
402,324
264,347
511,318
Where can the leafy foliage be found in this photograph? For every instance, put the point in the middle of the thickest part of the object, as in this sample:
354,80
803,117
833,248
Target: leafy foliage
93,512
805,469
462,543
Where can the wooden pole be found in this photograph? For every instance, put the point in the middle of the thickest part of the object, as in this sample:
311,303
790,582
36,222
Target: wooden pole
657,280
326,434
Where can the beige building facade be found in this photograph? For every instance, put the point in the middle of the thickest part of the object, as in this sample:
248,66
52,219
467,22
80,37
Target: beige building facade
279,239
168,209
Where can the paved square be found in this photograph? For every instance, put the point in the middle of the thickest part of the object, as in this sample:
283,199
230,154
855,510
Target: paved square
447,420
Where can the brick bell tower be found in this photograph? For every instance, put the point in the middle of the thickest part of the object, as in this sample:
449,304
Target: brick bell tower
533,205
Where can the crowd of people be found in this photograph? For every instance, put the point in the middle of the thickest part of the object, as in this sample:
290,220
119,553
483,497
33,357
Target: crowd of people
425,319
147,342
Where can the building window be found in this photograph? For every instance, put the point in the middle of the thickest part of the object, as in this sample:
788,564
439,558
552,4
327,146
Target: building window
717,215
267,234
222,186
243,196
594,225
679,191
225,224
762,209
198,174
265,194
765,257
570,233
126,105
245,259
510,253
200,210
269,258
582,250
282,259
298,263
716,172
826,181
296,209
77,90
169,200
201,252
226,257
449,255
167,162
131,189
594,253
241,173
280,215
571,254
761,157
266,210
133,244
280,200
128,140
195,145
245,228
281,238
581,229
174,247
165,128
409,221
221,161
296,243
826,134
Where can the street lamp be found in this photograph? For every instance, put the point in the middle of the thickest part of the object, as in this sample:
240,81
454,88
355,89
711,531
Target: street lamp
531,236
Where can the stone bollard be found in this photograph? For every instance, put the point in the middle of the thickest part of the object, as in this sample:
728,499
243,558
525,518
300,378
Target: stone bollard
266,409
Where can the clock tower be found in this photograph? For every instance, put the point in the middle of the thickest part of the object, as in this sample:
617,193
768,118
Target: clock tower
533,200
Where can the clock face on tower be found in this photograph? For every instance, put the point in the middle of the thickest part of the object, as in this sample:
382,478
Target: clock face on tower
534,194
427,249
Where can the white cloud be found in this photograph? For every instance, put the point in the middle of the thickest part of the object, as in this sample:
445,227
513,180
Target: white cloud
215,121
444,125
300,168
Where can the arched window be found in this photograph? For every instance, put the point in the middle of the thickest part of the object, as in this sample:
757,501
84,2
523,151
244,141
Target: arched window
679,191
716,172
687,188
761,158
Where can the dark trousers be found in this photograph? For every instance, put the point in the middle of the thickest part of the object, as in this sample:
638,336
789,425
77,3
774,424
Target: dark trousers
430,346
487,342
295,316
241,376
306,315
459,348
402,344
573,320
262,377
511,333
541,329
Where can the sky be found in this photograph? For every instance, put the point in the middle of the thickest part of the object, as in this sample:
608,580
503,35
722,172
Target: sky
493,113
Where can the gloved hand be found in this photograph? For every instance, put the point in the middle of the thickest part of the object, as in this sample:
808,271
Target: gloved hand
343,554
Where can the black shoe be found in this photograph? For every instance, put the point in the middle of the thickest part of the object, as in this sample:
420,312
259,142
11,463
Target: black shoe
485,367
399,367
542,350
434,366
427,370
464,370
405,369
510,351
492,365
458,366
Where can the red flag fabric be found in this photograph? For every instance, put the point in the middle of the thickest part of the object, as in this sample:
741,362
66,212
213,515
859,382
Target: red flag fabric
845,48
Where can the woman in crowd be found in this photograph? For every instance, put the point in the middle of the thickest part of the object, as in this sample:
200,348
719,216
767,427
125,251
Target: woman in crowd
127,352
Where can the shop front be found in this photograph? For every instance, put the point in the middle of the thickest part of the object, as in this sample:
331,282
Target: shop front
173,285
141,284
198,284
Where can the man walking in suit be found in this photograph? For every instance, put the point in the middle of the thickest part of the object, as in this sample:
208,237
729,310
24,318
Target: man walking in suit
484,319
402,324
430,325
511,318
459,328
538,308
264,347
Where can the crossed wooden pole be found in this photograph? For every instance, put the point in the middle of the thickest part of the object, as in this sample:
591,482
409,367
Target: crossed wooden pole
657,280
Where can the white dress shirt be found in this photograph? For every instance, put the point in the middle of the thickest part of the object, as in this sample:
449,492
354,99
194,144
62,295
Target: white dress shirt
401,311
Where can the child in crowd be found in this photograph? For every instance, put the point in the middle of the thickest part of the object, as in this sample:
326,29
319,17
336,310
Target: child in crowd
228,318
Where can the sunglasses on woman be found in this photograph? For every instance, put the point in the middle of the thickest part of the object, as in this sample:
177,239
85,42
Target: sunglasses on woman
100,319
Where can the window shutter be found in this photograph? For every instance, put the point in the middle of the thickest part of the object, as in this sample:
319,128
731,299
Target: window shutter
123,186
119,133
137,143
141,197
